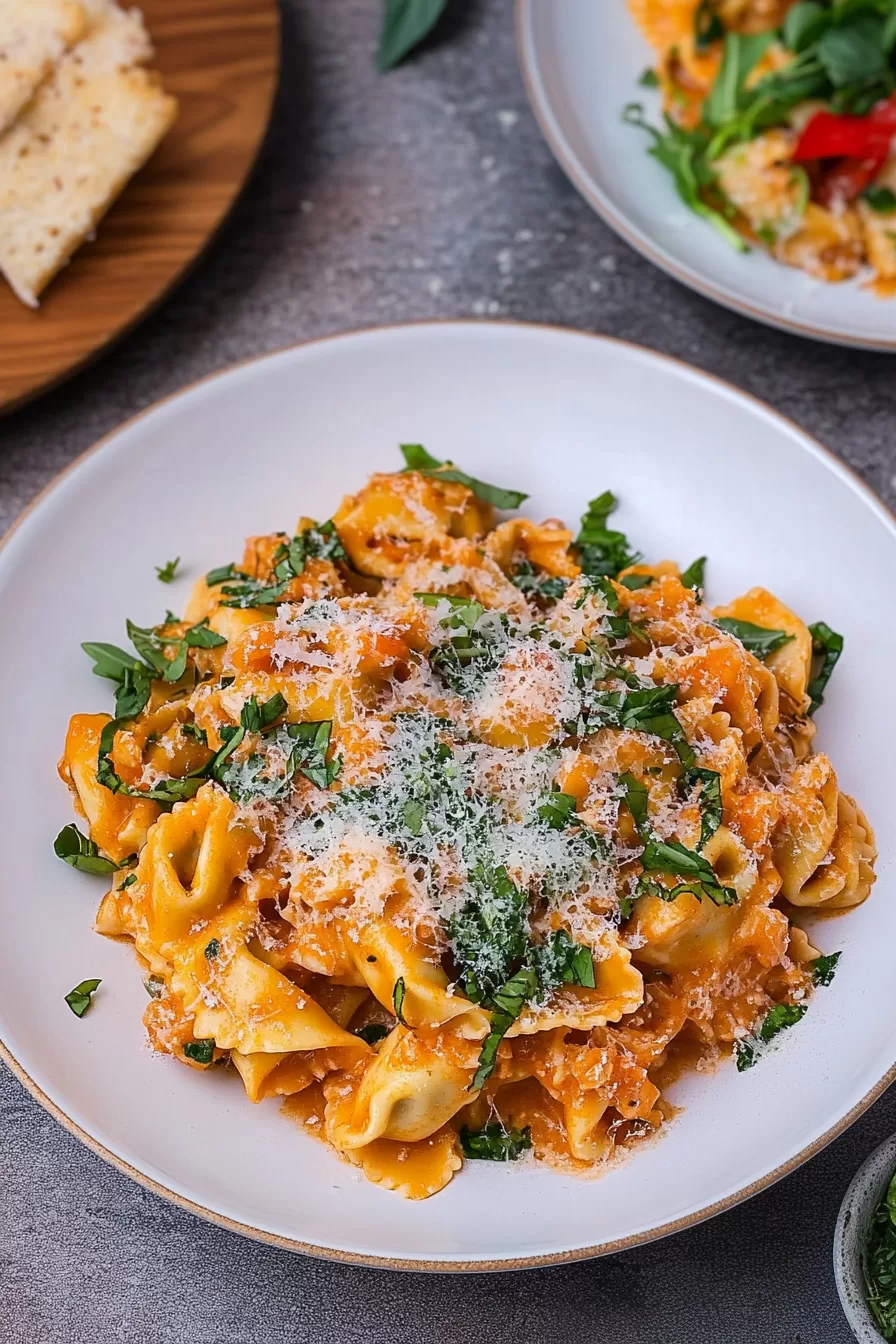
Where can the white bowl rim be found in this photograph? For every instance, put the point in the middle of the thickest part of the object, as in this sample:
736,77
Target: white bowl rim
450,1266
585,184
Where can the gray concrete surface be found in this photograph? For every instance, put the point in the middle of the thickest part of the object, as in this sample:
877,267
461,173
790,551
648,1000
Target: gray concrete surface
378,199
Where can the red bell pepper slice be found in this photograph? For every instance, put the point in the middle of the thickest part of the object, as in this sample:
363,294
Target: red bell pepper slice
828,136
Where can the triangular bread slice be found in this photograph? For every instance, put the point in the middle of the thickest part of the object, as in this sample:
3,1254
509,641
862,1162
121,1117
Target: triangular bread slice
87,130
34,35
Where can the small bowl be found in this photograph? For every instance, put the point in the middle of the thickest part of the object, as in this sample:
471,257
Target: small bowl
861,1199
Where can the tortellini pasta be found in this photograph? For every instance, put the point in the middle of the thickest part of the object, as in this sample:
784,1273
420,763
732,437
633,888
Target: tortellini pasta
458,834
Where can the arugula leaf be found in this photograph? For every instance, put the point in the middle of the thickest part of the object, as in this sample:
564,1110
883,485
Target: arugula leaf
741,53
635,582
827,647
255,718
603,551
200,637
558,810
508,1003
708,27
881,199
777,1019
372,1033
494,1143
694,576
756,639
824,968
853,52
80,998
405,24
212,948
81,853
546,586
168,571
201,1052
418,459
675,860
398,996
710,799
879,1263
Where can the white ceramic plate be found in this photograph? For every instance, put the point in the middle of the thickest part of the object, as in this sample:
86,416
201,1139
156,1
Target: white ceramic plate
700,469
581,62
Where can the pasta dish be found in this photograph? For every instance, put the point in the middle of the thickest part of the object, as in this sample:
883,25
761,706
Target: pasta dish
462,834
779,124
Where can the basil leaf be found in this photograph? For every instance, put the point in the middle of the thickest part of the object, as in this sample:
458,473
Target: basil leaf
109,660
649,79
853,53
710,799
508,1003
694,576
642,711
149,646
635,582
418,459
372,1033
168,571
405,24
212,949
824,968
804,23
222,574
165,791
560,961
489,934
201,1052
253,593
557,810
547,586
635,795
81,853
315,543
133,679
398,995
200,637
256,718
881,199
741,53
603,551
675,860
309,755
197,734
413,814
777,1019
494,1143
128,882
756,639
827,646
80,998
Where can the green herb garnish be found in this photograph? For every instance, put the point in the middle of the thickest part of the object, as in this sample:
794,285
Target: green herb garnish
405,24
201,1052
708,27
824,968
635,582
168,571
694,576
373,1032
494,1143
398,995
545,586
557,810
756,639
710,799
507,1004
80,998
212,949
827,647
777,1019
418,459
649,79
676,860
603,551
81,853
881,199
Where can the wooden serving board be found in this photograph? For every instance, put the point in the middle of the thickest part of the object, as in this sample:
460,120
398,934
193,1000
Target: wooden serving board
220,59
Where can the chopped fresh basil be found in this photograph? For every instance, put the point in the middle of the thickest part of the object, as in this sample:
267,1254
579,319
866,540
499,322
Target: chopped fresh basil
756,639
201,1052
200,637
315,543
676,860
132,678
881,199
474,647
168,572
777,1019
879,1263
212,949
635,795
649,79
128,882
642,711
824,968
603,551
507,1004
222,574
827,647
708,27
560,961
489,933
373,1033
81,853
398,995
256,718
80,998
557,810
197,734
405,24
253,593
710,799
418,459
545,586
494,1143
165,791
635,582
694,576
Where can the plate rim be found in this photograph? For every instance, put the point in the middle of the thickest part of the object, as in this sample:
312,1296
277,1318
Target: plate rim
118,334
588,188
439,1266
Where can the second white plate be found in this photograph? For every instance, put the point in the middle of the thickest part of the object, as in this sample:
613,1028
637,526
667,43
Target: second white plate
581,62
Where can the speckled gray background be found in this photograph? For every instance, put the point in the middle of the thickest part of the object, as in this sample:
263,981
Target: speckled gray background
377,199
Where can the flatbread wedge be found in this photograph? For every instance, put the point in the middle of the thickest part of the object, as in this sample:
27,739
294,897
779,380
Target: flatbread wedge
34,36
87,130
